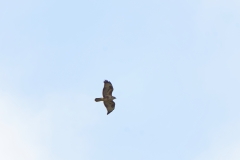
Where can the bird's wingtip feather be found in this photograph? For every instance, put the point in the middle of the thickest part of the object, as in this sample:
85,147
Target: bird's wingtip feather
106,81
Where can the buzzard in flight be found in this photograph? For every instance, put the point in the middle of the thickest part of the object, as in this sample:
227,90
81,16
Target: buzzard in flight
107,96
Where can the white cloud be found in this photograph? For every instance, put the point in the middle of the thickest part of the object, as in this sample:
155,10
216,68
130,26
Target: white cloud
35,129
222,81
224,143
218,19
220,75
14,144
230,4
14,147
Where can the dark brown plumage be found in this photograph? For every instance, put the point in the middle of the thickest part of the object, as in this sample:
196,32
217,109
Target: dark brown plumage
107,96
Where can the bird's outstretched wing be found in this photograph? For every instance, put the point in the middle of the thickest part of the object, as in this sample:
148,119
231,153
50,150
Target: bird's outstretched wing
107,89
110,105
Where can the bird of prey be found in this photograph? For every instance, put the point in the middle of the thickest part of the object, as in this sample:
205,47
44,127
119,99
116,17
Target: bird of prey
107,96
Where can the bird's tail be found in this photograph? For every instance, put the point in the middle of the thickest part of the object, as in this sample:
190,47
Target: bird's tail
98,99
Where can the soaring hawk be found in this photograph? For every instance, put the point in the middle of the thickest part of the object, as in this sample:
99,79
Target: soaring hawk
107,96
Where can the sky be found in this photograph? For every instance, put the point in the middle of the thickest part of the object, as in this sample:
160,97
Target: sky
174,66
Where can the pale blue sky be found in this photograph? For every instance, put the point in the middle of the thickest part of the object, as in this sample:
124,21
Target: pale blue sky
174,66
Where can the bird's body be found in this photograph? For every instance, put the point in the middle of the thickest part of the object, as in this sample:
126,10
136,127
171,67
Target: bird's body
107,96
